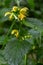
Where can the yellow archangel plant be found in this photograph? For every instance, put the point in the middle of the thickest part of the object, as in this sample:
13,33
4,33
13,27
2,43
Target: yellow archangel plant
19,14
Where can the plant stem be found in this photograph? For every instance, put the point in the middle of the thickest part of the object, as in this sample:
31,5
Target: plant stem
5,40
25,59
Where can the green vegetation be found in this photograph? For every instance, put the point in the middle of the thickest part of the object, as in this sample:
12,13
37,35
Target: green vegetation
21,32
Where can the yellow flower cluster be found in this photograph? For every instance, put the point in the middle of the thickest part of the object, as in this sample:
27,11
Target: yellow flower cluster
22,12
15,32
26,37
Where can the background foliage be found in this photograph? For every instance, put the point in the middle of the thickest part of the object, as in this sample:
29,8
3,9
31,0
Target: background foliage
22,52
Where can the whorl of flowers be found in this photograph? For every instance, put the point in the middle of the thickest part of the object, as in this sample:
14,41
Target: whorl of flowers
17,13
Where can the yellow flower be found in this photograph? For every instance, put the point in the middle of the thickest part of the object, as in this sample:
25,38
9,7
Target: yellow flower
21,16
7,13
15,32
23,38
15,8
24,10
10,17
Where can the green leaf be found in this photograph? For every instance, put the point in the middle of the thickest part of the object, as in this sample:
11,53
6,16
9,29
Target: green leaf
38,24
28,24
2,39
34,33
15,50
2,13
2,59
31,3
